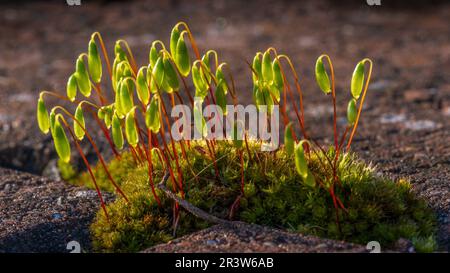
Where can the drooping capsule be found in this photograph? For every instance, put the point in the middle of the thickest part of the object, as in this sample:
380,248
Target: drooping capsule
257,70
117,134
126,99
152,115
278,80
82,77
42,116
201,88
221,96
71,87
182,57
322,77
130,128
158,72
357,82
61,142
79,123
352,112
174,37
300,160
289,143
266,68
142,87
153,55
94,62
170,75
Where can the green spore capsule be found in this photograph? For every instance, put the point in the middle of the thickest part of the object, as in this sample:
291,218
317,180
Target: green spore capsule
278,79
289,143
300,160
42,116
322,77
126,100
182,57
158,72
352,112
61,142
117,134
357,82
170,75
152,116
142,87
94,62
82,77
174,37
130,128
266,68
200,85
71,87
153,56
78,127
257,68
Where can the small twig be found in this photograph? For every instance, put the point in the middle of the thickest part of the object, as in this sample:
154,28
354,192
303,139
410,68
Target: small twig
188,206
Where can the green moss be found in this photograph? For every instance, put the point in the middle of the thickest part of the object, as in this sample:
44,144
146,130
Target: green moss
376,207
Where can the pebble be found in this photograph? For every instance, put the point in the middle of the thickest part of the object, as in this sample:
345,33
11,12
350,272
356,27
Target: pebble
419,125
59,201
212,242
392,118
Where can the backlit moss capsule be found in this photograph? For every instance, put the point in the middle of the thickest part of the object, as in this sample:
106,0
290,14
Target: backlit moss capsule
153,55
61,142
117,134
309,180
118,102
108,116
220,77
300,160
170,75
94,62
201,88
118,51
277,75
152,115
174,37
126,100
82,78
42,116
289,143
266,67
130,128
352,112
78,127
206,67
71,88
158,72
268,99
142,87
357,80
322,77
221,97
101,112
257,70
182,57
52,120
275,92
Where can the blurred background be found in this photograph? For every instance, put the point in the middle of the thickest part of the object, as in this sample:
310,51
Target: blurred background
405,125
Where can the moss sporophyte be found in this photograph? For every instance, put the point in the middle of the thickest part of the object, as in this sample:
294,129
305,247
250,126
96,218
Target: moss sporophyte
225,172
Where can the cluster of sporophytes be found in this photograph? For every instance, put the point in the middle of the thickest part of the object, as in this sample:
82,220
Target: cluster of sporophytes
301,186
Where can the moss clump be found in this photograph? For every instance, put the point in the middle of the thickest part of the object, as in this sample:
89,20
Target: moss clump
376,208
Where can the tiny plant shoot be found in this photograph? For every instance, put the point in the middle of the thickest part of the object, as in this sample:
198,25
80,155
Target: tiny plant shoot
301,185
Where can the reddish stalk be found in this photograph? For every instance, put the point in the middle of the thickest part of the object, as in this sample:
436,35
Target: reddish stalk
88,166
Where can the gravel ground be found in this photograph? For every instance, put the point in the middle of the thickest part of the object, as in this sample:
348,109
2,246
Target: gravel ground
40,215
242,237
